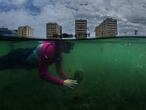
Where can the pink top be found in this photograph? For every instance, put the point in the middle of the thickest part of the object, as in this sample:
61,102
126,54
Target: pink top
47,54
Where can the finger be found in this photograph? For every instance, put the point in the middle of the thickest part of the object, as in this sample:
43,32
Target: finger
70,87
76,83
73,85
75,80
72,80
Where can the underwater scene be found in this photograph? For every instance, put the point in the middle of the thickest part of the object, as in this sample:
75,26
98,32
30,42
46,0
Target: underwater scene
110,75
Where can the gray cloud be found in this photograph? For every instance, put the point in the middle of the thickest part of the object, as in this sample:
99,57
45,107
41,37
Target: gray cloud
130,14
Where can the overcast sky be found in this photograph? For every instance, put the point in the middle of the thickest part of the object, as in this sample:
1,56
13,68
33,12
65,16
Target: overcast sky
131,14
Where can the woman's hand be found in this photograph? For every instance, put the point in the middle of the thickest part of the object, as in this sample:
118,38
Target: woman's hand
70,83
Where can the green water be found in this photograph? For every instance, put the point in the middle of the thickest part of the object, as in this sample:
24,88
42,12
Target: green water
111,73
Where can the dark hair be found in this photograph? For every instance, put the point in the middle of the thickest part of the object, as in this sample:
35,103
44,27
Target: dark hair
68,45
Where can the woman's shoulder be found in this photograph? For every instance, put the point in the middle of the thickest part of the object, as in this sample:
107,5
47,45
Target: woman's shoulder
46,44
47,47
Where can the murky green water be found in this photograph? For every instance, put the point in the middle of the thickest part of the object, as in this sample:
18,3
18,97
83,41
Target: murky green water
111,75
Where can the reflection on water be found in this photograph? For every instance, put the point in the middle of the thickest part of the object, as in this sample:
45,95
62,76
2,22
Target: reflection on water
110,72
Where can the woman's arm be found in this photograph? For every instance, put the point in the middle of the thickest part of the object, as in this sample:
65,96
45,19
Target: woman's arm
45,75
59,67
48,77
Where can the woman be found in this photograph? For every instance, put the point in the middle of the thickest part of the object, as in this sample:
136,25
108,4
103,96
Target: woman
44,55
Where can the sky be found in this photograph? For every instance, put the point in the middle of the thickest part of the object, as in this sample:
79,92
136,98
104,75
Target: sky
131,14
